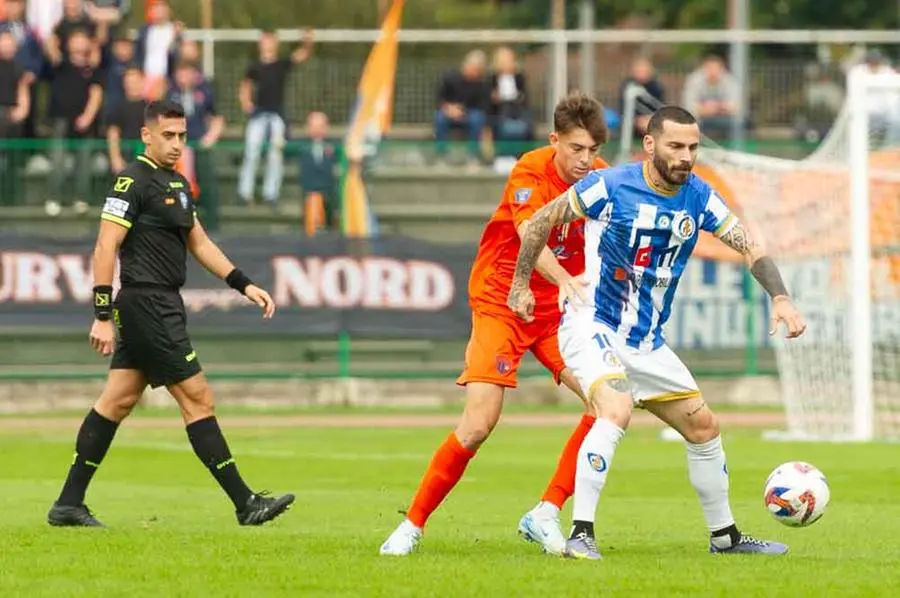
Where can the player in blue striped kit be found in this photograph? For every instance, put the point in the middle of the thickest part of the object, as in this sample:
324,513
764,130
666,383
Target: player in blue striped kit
642,223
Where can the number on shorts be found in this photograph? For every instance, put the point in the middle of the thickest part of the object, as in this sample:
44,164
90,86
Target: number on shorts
602,341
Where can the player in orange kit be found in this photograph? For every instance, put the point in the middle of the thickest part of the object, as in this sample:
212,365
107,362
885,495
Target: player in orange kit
499,339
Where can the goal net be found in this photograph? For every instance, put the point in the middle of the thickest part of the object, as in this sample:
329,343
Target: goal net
832,223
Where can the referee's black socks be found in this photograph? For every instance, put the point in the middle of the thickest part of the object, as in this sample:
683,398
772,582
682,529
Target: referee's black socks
211,448
93,440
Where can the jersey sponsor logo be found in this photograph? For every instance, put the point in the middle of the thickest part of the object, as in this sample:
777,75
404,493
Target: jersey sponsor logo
116,207
123,184
646,256
176,185
190,356
636,279
170,201
522,195
683,226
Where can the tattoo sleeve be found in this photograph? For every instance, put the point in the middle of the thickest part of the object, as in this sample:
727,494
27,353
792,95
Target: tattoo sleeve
557,212
762,267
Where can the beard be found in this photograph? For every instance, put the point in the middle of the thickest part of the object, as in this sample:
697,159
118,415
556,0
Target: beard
671,175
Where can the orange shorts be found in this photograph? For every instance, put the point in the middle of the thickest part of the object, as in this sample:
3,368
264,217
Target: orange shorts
498,343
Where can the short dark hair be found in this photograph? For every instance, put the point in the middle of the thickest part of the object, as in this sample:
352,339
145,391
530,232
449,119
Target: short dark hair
579,110
676,114
162,109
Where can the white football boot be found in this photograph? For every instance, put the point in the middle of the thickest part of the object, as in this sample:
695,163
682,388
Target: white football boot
402,541
541,526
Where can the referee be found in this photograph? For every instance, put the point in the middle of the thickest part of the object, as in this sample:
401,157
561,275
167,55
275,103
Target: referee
149,222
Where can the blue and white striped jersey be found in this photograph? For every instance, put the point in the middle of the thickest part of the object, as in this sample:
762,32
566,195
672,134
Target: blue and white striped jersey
637,242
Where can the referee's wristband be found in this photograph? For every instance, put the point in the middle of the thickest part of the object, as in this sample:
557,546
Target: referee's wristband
103,302
238,281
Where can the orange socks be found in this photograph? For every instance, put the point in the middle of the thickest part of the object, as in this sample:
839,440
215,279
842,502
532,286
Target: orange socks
444,471
450,461
563,483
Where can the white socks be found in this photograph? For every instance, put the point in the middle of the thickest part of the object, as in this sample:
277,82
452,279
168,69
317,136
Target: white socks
594,460
709,477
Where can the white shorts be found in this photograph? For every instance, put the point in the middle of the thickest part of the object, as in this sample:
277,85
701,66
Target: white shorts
595,353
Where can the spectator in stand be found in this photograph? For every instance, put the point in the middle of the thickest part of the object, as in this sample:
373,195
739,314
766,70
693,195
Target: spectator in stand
713,95
29,55
156,49
14,107
204,128
107,15
75,19
643,74
318,161
14,99
261,95
882,105
76,92
509,104
123,131
464,98
118,57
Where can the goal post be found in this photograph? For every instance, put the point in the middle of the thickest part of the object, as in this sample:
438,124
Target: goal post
860,84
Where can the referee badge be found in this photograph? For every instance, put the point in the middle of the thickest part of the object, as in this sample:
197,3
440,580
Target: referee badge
184,199
683,226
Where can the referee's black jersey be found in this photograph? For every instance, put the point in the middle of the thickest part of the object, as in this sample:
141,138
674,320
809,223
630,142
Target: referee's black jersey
154,203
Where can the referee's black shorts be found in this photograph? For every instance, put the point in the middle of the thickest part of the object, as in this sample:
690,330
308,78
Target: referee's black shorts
152,335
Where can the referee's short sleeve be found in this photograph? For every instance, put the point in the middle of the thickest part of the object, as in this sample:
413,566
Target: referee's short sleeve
123,200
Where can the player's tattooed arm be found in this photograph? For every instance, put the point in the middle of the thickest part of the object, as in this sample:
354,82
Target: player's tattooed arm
557,212
762,267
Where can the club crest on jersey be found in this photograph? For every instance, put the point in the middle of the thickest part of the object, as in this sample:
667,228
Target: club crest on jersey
182,196
683,226
522,195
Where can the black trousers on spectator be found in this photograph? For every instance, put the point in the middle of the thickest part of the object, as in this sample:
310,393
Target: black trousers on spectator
66,140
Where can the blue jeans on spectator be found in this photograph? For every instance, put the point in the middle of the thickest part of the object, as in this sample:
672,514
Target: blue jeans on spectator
473,121
260,127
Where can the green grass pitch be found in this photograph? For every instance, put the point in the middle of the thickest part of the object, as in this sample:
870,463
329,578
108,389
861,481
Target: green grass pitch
173,533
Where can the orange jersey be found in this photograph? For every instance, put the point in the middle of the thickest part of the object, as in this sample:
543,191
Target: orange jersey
533,183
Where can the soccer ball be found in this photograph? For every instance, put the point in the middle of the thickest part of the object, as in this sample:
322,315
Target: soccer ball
797,494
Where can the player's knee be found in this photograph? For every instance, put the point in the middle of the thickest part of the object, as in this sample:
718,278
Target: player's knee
116,406
473,434
195,398
702,426
476,426
611,400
